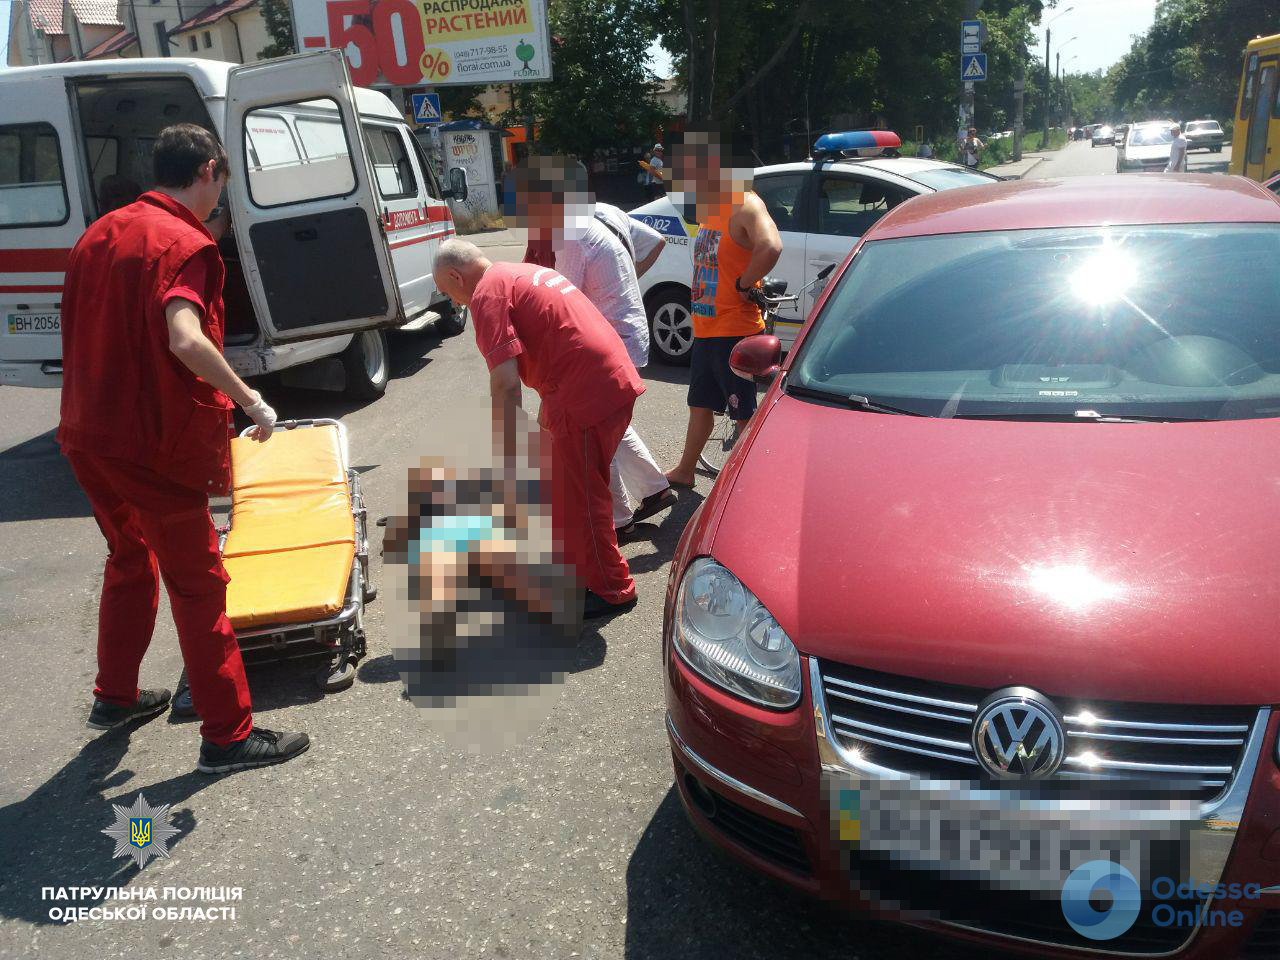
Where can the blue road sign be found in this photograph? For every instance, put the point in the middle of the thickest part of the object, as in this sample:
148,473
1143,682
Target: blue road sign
973,66
426,108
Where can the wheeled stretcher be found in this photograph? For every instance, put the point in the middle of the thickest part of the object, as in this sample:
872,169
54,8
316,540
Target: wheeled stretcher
297,549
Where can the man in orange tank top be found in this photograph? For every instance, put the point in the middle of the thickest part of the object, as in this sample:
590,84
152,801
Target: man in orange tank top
737,244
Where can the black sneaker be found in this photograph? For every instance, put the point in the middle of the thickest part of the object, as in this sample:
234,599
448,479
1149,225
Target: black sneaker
260,749
596,606
108,716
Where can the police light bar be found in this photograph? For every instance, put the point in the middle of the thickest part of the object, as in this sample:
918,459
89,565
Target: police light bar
855,143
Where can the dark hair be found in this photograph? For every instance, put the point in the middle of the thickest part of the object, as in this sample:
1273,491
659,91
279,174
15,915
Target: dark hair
181,150
732,146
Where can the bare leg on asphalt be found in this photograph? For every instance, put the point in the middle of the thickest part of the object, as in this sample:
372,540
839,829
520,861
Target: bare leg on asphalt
701,423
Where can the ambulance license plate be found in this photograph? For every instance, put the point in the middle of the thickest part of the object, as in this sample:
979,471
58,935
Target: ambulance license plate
43,323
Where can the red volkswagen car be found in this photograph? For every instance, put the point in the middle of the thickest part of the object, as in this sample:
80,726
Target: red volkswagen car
980,626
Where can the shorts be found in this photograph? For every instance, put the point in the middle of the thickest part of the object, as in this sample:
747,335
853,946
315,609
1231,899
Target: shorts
457,534
712,385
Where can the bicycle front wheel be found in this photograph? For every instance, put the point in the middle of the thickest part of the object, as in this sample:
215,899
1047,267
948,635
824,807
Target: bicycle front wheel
715,453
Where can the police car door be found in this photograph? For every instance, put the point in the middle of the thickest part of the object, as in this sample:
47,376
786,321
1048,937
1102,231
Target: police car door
308,226
783,197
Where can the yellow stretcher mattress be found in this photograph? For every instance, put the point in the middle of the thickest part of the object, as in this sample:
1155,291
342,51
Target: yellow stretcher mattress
293,537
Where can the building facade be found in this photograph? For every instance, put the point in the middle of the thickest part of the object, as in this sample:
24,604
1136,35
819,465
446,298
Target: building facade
56,31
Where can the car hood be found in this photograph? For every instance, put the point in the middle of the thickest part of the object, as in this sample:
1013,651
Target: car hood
1112,561
1158,151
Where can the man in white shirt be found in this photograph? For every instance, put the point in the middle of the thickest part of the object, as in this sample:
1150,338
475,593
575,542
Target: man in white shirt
601,250
1177,152
654,184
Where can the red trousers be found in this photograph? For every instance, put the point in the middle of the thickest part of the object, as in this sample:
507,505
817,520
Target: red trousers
582,506
152,524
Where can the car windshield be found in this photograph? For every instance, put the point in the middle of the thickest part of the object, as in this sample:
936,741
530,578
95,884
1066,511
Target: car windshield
1147,321
1149,136
1103,132
1203,126
944,178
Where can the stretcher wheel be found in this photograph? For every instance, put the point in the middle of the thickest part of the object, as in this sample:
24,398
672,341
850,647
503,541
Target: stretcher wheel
370,592
333,677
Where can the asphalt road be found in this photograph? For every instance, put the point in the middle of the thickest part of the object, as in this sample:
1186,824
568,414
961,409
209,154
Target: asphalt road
386,839
1081,159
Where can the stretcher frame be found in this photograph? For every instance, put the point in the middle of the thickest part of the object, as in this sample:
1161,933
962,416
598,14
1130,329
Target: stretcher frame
340,636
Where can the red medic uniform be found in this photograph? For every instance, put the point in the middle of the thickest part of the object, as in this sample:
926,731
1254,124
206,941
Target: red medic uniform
149,441
573,358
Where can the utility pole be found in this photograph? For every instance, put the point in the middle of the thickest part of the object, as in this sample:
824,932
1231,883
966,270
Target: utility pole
971,8
1019,84
1044,100
1057,59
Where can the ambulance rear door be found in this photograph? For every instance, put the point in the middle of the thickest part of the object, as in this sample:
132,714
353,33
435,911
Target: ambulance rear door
303,201
41,218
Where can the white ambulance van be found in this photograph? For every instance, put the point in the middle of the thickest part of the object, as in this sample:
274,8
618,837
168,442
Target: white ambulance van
335,209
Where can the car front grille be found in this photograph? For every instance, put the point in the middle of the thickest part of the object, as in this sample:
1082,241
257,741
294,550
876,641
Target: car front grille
923,728
1264,941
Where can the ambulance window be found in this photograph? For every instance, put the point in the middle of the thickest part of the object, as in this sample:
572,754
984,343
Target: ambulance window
391,163
428,170
282,170
33,192
1250,77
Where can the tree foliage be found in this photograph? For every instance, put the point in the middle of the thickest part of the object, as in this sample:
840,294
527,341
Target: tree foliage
603,93
277,15
1188,63
778,68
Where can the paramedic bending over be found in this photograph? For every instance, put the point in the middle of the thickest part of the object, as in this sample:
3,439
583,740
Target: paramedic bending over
146,407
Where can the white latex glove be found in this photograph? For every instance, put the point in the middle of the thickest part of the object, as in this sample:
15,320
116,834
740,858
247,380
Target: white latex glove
263,417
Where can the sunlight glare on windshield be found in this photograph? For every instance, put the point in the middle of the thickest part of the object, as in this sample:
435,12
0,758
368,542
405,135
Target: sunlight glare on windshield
1104,277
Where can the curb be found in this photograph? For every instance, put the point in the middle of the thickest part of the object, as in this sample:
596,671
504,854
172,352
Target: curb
1035,162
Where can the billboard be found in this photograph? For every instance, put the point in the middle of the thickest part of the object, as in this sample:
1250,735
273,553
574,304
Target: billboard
430,42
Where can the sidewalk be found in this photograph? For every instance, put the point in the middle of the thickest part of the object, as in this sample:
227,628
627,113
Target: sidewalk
1018,170
511,236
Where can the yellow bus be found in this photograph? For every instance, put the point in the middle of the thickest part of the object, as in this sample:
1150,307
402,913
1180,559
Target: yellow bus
1255,148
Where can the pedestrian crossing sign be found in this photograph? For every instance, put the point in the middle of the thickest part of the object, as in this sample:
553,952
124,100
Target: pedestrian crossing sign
973,66
426,108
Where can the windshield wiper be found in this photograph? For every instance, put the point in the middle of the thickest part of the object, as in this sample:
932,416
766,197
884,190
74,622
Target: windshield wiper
1093,416
853,400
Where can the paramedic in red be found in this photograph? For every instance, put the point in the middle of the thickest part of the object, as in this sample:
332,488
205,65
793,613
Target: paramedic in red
146,408
533,326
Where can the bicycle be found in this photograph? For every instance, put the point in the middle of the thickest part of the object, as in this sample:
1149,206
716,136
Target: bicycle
769,296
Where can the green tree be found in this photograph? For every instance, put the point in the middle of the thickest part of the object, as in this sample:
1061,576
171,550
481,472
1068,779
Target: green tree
277,15
1188,63
603,93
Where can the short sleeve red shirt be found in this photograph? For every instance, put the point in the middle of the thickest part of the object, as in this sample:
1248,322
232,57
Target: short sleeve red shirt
564,348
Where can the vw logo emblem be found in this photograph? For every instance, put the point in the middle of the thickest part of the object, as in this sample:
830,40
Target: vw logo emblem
1018,735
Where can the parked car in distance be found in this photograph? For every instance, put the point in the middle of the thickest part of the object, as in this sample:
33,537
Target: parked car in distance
1103,135
1204,135
1145,147
1014,487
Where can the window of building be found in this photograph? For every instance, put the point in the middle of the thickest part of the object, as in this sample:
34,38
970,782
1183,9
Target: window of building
208,40
162,38
191,42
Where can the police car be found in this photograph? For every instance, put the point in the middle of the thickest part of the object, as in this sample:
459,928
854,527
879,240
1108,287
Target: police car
821,208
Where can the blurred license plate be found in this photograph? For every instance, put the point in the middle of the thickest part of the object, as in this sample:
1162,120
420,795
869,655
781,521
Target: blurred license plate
1015,839
45,323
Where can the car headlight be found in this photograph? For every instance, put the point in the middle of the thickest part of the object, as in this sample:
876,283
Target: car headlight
726,634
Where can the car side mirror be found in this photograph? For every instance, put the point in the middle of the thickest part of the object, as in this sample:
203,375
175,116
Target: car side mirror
457,189
757,357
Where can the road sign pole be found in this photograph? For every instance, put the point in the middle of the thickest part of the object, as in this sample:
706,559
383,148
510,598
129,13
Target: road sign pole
971,8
